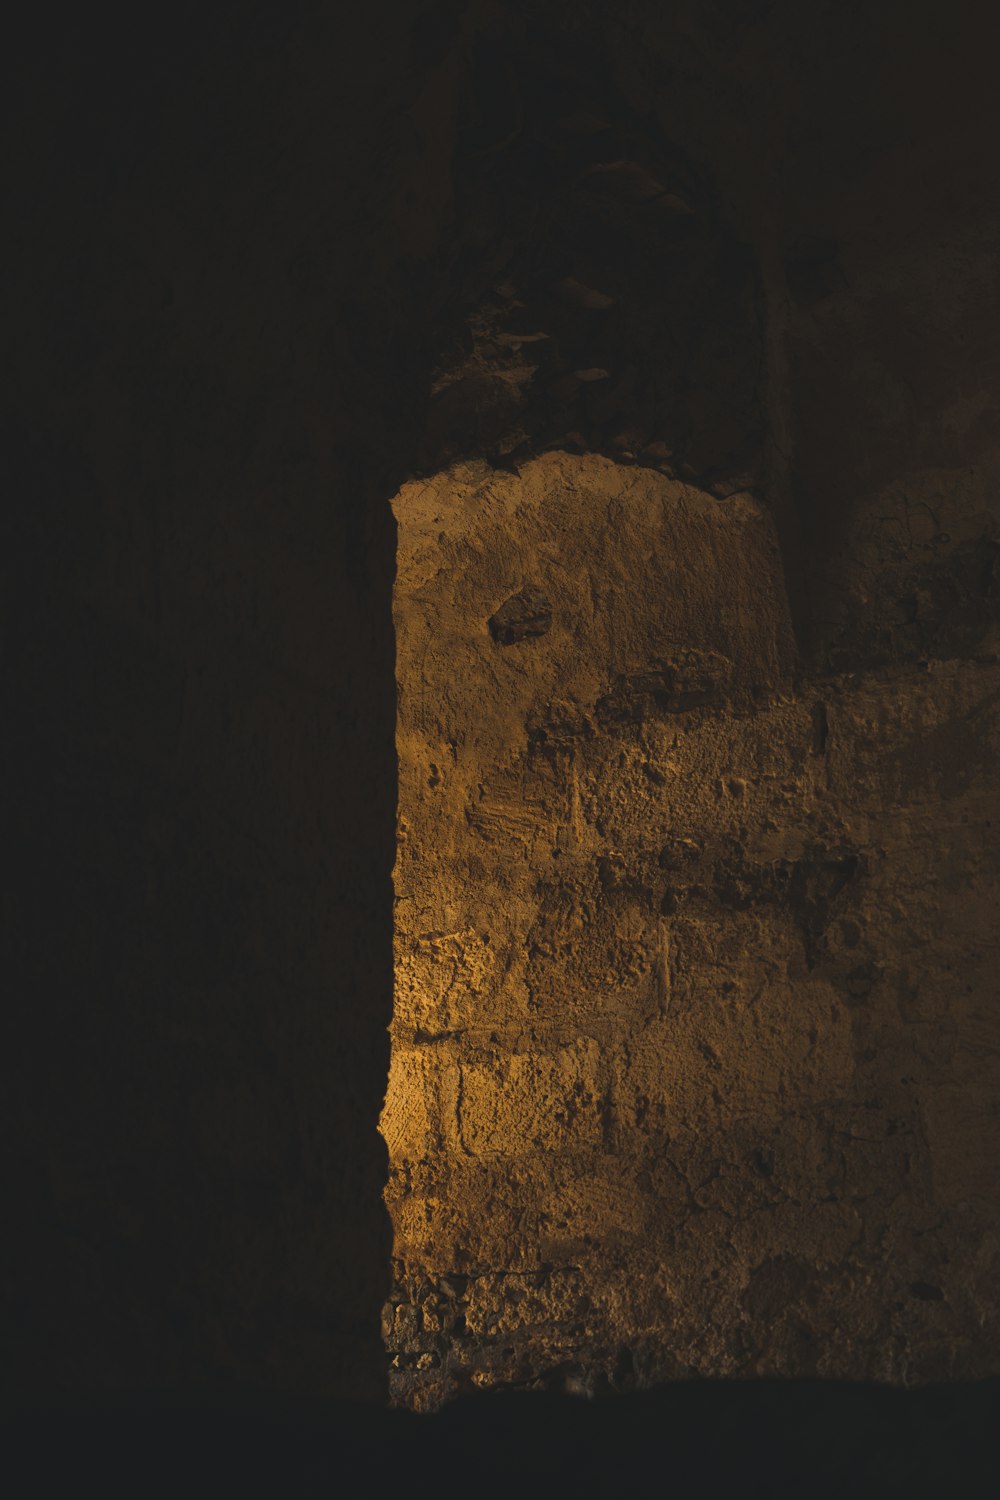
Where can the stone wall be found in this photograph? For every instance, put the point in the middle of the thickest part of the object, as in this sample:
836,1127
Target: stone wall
262,268
694,1061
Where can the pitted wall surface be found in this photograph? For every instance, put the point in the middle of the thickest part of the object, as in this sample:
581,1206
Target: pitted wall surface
694,1044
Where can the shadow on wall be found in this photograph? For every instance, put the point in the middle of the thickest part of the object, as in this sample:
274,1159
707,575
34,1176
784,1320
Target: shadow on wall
199,918
210,392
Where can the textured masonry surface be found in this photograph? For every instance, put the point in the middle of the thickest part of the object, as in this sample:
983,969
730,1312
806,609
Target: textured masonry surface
695,1057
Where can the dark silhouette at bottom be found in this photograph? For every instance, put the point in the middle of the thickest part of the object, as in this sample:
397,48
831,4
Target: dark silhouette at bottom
754,1440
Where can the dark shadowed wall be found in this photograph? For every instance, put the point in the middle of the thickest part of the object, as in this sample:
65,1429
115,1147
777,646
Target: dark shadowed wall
214,305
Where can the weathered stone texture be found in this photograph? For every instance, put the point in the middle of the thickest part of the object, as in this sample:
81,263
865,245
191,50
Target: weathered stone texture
695,1047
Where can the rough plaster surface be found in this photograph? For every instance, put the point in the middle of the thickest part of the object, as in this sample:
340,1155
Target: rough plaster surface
695,1053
